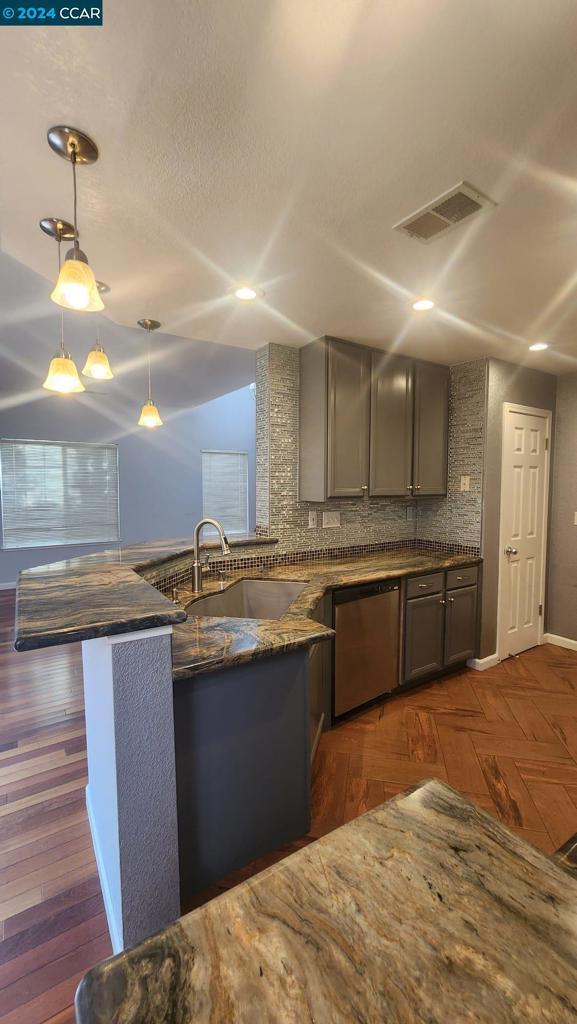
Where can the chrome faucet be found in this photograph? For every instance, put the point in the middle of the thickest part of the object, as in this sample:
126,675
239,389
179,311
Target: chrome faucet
197,566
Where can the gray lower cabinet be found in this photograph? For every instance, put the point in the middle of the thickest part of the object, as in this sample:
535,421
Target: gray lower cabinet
431,429
440,628
424,640
460,625
391,438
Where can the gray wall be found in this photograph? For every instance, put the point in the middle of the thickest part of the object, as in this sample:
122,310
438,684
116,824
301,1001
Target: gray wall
506,383
562,604
160,471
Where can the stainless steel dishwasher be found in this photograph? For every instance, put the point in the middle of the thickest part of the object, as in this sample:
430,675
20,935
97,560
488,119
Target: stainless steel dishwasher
367,625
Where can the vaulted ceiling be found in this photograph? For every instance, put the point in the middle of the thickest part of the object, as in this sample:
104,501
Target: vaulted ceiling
279,141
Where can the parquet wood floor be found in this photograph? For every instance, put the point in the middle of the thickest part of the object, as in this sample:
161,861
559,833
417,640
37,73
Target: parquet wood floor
507,738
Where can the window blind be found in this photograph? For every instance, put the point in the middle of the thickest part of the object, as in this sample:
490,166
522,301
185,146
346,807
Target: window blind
225,489
58,493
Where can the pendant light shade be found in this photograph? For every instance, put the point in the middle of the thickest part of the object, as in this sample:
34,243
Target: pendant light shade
97,365
150,416
63,376
76,285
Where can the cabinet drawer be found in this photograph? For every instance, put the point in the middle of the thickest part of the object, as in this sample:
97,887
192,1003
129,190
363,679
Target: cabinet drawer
462,577
422,585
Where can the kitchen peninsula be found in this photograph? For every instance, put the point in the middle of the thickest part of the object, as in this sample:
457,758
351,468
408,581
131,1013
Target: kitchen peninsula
198,726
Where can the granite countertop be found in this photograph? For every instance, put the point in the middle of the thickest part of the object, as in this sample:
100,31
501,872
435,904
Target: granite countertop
202,644
101,594
424,911
90,597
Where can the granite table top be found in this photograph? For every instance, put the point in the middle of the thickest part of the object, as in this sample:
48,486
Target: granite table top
86,598
424,911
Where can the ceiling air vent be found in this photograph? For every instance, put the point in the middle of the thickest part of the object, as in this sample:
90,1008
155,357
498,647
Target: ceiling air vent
444,213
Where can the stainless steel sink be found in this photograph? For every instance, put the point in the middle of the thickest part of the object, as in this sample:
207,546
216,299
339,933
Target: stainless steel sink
249,599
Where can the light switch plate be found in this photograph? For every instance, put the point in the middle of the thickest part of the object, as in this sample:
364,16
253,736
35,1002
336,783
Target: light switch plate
331,519
313,519
465,483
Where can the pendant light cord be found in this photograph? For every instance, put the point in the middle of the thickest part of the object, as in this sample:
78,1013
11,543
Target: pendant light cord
149,388
59,240
73,162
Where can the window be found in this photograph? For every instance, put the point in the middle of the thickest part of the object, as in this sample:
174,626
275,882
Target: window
225,489
58,493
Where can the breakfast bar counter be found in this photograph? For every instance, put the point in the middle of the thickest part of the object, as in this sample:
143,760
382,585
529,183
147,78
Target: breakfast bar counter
423,910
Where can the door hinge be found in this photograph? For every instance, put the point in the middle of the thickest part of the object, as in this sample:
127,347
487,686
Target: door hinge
546,444
540,609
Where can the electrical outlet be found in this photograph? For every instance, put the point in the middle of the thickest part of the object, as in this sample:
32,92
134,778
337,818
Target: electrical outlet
331,519
410,512
465,483
313,519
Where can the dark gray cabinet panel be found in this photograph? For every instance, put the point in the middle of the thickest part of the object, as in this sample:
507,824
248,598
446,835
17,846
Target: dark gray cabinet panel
424,632
461,625
349,395
391,438
431,428
313,422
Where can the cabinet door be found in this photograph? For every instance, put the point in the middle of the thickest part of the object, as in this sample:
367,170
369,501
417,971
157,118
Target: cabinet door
348,419
431,423
461,625
391,437
424,635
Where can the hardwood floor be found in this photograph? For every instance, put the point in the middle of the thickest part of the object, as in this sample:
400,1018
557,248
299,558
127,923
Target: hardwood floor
507,738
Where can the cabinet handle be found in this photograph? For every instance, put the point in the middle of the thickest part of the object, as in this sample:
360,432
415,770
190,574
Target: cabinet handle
365,487
459,579
451,600
423,586
442,601
409,487
418,487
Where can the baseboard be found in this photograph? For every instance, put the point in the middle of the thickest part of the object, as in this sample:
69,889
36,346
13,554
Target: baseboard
480,664
114,926
560,641
7,586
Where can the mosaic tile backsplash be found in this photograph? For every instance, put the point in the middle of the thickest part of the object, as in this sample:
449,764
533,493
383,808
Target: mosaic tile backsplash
179,572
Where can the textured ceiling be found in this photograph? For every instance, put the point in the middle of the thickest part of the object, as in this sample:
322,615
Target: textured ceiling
278,142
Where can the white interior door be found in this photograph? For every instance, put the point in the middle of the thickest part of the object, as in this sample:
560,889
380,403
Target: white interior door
524,490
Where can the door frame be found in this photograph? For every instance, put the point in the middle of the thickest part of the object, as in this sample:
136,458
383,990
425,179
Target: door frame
547,415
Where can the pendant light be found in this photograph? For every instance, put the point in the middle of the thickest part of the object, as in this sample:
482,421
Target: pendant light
62,374
149,416
76,286
97,365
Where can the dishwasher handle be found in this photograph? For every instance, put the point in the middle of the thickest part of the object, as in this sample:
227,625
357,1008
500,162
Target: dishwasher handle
361,591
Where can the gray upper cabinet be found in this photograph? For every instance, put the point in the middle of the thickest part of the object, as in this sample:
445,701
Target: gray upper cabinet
431,429
391,435
349,395
370,423
335,397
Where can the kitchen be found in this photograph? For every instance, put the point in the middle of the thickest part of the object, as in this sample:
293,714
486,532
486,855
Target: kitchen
297,648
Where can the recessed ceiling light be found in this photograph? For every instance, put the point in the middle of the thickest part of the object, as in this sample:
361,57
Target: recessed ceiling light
539,346
247,293
421,304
